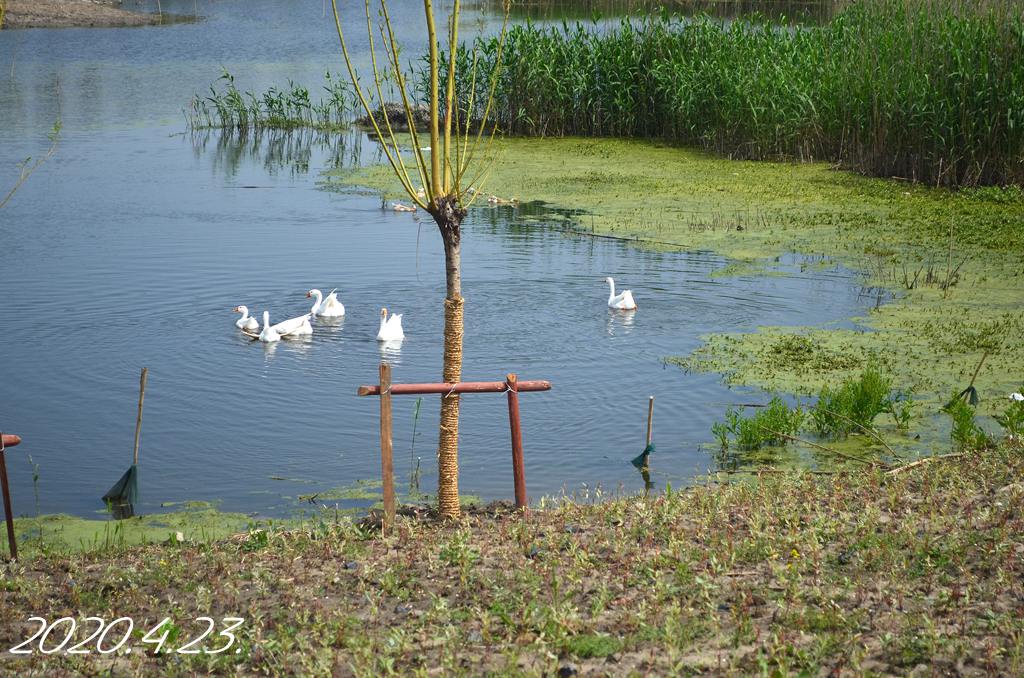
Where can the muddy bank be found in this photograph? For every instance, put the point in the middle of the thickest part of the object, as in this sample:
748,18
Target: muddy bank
72,13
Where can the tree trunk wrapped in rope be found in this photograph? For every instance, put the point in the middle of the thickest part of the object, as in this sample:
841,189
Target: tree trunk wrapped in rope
448,435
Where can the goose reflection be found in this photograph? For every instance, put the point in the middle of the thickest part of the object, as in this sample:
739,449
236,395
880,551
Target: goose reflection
620,321
391,350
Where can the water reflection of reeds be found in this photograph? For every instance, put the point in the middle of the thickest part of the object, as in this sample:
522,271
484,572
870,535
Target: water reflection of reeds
277,150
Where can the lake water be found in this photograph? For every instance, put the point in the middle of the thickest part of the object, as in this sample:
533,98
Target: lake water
129,247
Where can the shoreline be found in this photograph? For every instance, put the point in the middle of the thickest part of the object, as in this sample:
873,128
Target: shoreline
75,14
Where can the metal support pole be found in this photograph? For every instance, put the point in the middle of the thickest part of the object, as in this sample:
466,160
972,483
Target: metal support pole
9,514
518,472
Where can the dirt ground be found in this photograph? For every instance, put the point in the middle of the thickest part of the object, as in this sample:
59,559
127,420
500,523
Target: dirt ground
71,13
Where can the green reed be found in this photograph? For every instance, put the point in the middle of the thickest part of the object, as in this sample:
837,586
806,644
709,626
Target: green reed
227,107
927,90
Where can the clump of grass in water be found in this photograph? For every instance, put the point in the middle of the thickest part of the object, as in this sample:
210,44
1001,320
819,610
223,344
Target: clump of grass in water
965,433
927,90
768,426
855,403
227,107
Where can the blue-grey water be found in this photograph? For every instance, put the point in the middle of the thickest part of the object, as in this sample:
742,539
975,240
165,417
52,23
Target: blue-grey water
131,244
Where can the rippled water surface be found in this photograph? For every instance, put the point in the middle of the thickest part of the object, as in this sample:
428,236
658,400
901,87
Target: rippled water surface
131,245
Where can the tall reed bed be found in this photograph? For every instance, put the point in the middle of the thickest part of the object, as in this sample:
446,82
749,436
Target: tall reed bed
227,107
928,90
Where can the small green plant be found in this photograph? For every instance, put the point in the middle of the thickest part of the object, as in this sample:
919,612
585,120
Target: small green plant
1012,418
256,539
768,426
965,433
901,407
854,404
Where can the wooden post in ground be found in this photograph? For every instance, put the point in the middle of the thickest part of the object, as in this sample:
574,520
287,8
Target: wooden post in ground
386,462
8,513
518,472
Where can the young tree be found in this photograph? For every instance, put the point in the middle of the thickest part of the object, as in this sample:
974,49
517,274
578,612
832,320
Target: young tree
445,186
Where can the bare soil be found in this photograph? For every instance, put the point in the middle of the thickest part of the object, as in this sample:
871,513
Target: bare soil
72,13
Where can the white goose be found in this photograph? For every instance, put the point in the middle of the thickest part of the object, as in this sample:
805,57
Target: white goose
295,327
623,301
329,307
246,322
390,328
269,334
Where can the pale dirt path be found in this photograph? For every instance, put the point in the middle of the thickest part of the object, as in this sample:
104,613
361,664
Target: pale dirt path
69,13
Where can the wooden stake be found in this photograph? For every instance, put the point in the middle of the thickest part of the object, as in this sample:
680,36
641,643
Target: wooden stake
138,419
518,471
386,464
8,513
650,418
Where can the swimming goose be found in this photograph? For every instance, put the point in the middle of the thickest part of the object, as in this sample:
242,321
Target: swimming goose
269,334
623,301
246,322
328,307
390,328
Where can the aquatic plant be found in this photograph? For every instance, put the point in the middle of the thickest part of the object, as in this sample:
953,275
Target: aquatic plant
965,433
227,107
927,90
770,425
1012,419
854,404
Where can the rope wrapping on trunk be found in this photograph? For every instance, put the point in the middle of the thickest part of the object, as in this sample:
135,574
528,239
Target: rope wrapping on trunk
448,437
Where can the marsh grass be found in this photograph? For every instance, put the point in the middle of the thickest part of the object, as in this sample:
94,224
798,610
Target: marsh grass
926,90
853,404
766,426
227,107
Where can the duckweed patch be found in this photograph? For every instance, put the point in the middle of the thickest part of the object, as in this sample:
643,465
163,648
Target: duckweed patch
60,533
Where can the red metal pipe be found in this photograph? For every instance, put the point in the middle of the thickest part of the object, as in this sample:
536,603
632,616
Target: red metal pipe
8,513
460,387
518,473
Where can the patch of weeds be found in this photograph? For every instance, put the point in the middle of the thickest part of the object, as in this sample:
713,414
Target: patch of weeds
768,426
1012,418
853,404
458,552
965,432
901,406
256,539
794,351
590,645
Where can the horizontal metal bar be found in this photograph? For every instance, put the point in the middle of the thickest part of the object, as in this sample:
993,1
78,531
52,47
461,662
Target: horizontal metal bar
460,387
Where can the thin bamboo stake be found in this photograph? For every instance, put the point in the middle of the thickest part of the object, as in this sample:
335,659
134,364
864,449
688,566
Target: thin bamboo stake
922,462
138,418
650,419
386,462
822,447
